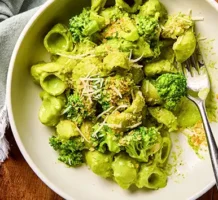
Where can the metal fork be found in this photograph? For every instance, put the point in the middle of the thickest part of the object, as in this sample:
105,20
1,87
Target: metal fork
198,84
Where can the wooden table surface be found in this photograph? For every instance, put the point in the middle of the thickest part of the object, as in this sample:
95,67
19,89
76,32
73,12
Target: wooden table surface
18,181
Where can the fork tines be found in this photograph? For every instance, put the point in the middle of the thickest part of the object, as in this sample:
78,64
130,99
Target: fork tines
195,61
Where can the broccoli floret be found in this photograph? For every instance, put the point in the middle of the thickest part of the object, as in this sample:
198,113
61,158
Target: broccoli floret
79,108
116,91
147,27
141,143
105,139
171,88
85,25
70,151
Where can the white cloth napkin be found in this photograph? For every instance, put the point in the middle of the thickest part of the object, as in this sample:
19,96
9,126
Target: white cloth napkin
14,14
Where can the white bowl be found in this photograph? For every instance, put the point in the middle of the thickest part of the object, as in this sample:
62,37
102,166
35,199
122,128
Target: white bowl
23,103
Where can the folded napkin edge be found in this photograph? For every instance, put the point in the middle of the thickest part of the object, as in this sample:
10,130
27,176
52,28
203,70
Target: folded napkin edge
4,145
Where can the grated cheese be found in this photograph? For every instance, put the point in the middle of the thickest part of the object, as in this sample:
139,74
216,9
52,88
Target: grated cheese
114,125
137,66
190,12
121,106
138,59
91,79
106,111
100,127
162,27
69,161
180,39
76,57
195,18
80,132
134,126
198,18
183,19
66,110
132,92
89,74
130,54
202,38
101,83
118,92
91,89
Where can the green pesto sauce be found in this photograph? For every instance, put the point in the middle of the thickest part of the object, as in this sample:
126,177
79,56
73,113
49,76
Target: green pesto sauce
53,85
188,114
211,106
57,41
100,164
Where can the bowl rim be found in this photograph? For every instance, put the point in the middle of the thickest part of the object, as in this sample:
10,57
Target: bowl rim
25,154
214,3
15,133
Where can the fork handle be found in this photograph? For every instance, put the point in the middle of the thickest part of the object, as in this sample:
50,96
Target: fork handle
213,150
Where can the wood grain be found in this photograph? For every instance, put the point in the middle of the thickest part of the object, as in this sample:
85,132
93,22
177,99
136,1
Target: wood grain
18,181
